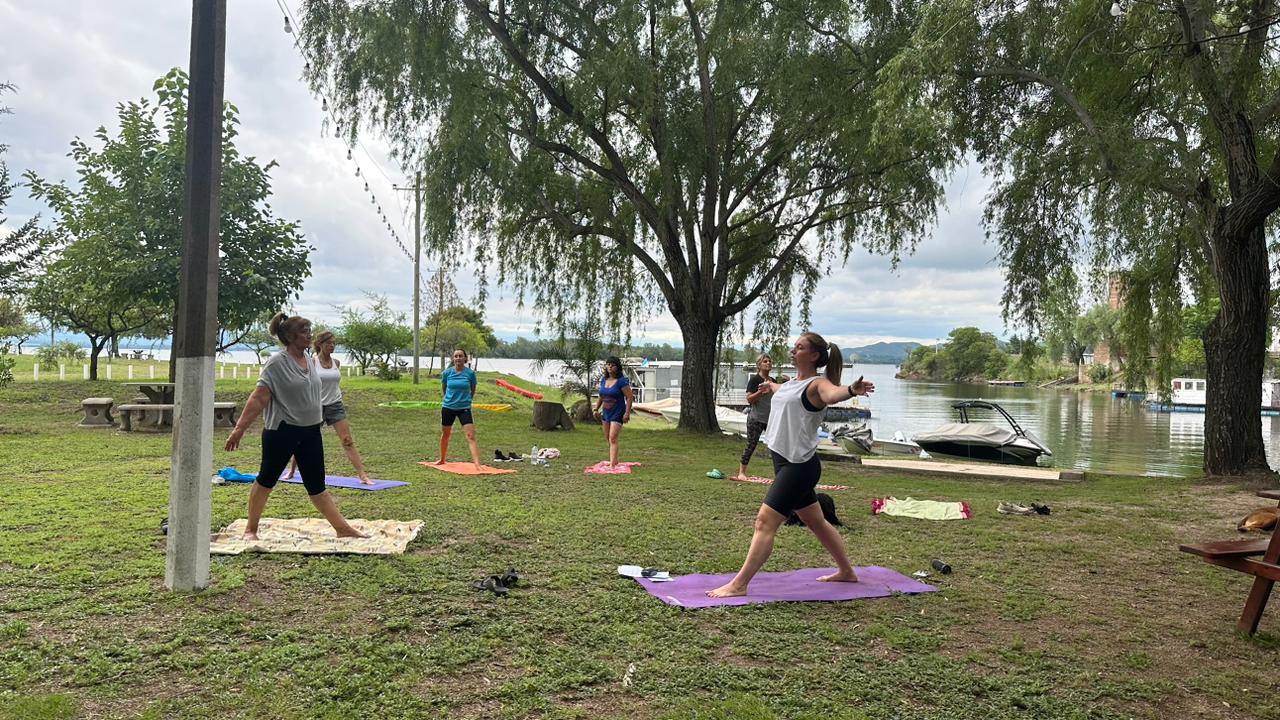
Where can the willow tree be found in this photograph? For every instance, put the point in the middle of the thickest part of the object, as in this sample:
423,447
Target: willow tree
625,156
1144,140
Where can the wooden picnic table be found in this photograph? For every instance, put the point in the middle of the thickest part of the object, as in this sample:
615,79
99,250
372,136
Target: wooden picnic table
1240,555
158,393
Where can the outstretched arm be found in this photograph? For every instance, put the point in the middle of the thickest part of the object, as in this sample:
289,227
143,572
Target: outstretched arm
252,409
823,392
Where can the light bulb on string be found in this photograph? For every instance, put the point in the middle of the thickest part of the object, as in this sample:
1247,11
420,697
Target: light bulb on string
366,187
348,153
287,27
324,105
358,174
1245,28
1116,10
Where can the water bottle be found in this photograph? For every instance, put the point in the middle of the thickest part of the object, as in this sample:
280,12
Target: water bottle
941,567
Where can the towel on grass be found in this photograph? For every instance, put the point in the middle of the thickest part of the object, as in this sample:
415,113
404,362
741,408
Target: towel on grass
769,481
923,509
602,468
315,536
465,468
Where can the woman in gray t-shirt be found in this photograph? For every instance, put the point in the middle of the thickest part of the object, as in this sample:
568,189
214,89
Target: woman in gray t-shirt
289,390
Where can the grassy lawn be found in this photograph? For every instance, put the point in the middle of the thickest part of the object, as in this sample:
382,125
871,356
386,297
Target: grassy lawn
1088,613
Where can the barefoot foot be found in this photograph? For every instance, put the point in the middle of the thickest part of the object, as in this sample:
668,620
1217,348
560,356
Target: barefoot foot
351,532
249,536
840,577
725,591
365,479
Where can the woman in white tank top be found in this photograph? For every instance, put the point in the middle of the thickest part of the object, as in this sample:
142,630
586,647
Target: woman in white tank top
792,437
335,413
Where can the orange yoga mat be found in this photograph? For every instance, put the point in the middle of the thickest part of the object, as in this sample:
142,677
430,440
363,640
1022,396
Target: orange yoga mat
465,468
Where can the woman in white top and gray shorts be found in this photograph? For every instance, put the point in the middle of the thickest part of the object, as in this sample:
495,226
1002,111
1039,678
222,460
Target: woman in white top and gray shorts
792,437
335,413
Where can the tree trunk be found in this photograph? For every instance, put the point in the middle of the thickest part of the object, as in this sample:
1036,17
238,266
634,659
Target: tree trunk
1235,347
95,348
697,376
115,347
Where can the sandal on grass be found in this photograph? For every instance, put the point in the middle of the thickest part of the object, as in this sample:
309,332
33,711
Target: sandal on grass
492,584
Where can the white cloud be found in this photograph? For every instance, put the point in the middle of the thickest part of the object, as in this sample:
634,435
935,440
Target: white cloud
75,60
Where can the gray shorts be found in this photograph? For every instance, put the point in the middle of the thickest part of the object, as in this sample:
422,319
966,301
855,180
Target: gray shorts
334,413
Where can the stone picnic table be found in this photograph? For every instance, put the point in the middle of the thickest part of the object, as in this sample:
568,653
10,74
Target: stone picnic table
158,393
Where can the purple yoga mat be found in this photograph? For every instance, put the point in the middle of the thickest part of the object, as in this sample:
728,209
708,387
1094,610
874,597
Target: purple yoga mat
689,591
350,482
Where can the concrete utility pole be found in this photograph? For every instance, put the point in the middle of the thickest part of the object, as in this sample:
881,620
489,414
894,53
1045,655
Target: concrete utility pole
417,260
186,565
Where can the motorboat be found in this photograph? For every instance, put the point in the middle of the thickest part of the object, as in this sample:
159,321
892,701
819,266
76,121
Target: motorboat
984,441
730,420
859,440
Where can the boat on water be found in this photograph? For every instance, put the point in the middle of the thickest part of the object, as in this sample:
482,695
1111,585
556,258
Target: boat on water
730,420
861,441
984,441
1189,395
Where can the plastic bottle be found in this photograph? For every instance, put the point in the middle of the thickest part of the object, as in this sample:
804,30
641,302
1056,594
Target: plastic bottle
941,567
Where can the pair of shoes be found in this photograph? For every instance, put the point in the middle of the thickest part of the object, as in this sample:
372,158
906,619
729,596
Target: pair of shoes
512,457
715,473
164,526
1008,508
1041,509
499,585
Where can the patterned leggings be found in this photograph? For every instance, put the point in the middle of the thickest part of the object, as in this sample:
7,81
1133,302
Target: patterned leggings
754,428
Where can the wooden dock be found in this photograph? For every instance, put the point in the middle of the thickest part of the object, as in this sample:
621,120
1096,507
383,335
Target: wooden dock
960,470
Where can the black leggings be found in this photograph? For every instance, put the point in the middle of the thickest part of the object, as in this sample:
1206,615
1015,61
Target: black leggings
754,429
293,441
793,484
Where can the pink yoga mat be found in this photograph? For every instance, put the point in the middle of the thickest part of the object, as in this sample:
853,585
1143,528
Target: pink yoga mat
350,482
602,468
689,591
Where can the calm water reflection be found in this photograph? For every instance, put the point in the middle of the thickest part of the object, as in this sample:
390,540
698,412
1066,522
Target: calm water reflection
1085,430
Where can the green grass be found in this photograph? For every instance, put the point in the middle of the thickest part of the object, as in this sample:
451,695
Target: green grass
1088,613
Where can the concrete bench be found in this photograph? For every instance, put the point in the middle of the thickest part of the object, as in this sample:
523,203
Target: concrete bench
224,414
155,415
97,412
161,416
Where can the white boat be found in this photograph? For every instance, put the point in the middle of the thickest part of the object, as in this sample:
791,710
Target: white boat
730,420
899,445
984,441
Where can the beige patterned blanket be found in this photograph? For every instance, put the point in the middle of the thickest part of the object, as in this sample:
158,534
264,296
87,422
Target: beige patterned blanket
315,536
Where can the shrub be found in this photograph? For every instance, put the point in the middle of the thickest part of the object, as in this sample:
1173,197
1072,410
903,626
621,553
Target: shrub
6,365
50,356
1099,373
387,371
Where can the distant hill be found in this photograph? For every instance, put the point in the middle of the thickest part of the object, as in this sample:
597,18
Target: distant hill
881,353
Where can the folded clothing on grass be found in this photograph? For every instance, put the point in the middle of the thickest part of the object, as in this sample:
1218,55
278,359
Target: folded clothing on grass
315,536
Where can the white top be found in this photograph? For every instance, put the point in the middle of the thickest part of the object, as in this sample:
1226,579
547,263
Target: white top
793,430
330,393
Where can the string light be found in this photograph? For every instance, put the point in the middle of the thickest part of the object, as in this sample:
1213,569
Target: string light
340,126
1116,10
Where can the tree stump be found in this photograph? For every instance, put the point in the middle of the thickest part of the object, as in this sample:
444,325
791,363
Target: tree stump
550,415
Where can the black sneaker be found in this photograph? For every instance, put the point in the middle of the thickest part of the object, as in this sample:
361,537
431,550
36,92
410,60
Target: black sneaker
499,457
515,456
1041,509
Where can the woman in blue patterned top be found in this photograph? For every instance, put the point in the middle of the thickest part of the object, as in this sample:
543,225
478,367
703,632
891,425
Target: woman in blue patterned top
459,385
613,409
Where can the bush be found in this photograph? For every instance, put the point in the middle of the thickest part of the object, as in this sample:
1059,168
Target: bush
388,372
6,365
50,356
1099,373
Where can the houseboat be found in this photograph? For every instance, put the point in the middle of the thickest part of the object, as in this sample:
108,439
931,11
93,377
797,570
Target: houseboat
1188,395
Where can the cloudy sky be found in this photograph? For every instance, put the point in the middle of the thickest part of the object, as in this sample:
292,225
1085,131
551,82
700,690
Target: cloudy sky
74,60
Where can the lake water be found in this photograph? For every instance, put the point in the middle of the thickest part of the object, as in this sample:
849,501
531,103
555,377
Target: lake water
1085,430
